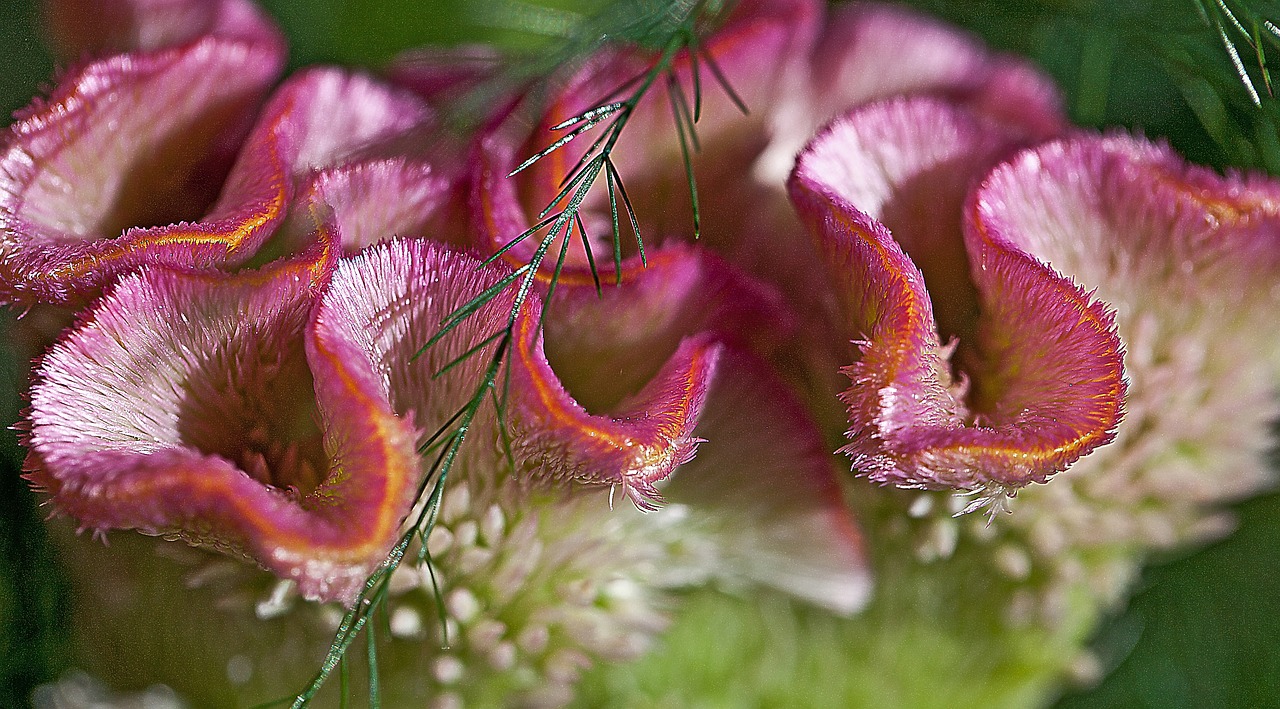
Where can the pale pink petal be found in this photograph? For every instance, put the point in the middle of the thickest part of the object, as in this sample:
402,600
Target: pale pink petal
60,221
101,27
765,483
371,201
1044,379
386,302
605,346
207,407
126,141
1190,260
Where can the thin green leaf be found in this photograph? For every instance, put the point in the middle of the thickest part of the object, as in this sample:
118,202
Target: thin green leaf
691,41
441,431
469,308
352,622
438,596
560,143
586,246
1262,56
673,99
591,114
344,684
724,82
568,187
1234,22
555,275
675,92
468,354
613,215
1239,65
375,694
631,212
511,244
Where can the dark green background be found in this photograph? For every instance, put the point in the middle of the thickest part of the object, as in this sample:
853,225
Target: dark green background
1201,631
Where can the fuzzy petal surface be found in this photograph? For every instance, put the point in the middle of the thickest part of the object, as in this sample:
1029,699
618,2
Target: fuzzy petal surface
69,183
1045,382
641,442
208,408
1190,261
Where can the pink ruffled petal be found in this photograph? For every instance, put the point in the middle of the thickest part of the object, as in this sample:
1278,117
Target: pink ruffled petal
605,346
635,446
61,253
386,302
209,408
764,481
371,201
1134,219
129,140
758,49
869,52
101,27
1046,377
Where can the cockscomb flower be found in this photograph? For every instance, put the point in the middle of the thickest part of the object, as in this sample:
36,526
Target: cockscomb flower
1043,384
1125,251
540,576
280,414
744,208
950,287
79,206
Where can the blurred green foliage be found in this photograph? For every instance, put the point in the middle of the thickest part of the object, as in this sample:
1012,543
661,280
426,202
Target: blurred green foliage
1203,631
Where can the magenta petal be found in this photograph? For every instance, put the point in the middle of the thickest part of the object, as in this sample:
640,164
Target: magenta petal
69,183
389,300
101,27
200,406
1047,382
869,52
370,201
764,481
605,346
319,119
640,443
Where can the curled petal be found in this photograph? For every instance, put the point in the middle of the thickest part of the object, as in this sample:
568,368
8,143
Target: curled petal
319,119
389,300
1190,260
627,356
869,52
1097,207
206,407
639,444
764,482
1047,381
371,201
605,346
100,27
125,141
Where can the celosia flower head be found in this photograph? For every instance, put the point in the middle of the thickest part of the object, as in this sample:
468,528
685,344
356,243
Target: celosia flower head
1045,383
278,413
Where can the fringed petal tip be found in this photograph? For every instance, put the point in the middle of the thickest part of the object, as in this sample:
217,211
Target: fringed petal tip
210,408
766,487
1040,383
636,445
1139,202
